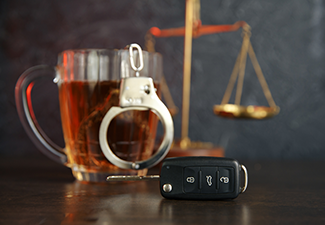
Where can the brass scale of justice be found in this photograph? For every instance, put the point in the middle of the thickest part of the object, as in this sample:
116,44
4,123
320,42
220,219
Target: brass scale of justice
193,29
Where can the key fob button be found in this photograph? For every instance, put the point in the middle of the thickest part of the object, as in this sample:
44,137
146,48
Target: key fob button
209,179
226,182
191,180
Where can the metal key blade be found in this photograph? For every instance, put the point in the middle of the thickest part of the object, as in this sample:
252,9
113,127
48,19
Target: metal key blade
132,178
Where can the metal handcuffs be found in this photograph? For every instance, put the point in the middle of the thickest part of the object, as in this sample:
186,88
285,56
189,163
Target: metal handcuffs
137,93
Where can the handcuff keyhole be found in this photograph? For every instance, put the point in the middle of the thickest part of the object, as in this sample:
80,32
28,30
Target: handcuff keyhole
147,89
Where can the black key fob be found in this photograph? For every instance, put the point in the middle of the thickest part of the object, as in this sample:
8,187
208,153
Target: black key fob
202,178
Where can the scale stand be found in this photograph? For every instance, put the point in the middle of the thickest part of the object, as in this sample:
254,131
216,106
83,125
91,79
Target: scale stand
193,29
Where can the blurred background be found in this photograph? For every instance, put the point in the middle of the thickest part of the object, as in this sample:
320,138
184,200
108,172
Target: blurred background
287,36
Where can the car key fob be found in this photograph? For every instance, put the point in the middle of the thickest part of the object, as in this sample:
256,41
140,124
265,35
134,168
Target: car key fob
201,178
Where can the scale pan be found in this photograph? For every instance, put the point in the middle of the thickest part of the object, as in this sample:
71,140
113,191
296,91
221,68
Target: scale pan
245,112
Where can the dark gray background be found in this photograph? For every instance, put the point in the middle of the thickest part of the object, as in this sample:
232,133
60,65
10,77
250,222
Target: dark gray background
287,36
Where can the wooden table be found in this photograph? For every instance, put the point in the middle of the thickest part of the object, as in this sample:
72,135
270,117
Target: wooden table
38,191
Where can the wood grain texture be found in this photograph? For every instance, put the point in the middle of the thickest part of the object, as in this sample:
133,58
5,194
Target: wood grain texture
42,192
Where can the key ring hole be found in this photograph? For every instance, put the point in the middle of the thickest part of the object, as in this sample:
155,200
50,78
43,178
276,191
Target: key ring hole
132,58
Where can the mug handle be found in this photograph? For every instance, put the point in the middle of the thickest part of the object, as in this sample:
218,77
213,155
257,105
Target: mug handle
26,114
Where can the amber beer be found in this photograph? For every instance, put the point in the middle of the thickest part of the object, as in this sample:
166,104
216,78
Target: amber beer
83,104
89,83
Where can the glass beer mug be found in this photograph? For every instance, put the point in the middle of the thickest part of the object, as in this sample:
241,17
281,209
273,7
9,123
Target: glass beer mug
109,111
